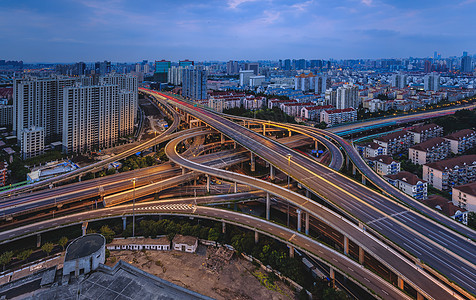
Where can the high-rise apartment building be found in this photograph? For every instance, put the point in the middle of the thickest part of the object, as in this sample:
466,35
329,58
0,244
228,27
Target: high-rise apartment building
347,96
186,63
90,118
322,83
232,67
194,83
253,67
102,68
399,80
245,76
287,64
432,82
32,141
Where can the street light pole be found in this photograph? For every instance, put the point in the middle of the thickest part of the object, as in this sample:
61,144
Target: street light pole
133,207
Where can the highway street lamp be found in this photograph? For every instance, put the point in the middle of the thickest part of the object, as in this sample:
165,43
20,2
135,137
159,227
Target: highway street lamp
133,207
289,155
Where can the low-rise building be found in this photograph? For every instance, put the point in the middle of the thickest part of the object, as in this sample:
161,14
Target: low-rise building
464,196
432,150
395,142
462,140
314,112
338,116
410,184
423,133
447,208
384,165
185,243
84,255
139,243
445,174
370,149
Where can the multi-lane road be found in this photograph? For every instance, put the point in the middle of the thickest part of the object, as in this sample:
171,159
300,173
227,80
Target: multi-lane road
411,231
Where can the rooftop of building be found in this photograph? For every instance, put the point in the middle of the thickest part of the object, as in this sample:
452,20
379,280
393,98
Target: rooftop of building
391,136
407,177
453,162
429,144
469,188
184,239
423,128
318,107
386,159
458,135
371,145
441,203
141,241
338,111
84,246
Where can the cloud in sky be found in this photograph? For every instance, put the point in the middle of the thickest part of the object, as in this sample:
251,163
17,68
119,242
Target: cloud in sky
126,30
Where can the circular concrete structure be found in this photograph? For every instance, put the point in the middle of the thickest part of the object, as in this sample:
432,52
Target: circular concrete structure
84,254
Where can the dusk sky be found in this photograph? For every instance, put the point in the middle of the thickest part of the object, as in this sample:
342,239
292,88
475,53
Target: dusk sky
129,31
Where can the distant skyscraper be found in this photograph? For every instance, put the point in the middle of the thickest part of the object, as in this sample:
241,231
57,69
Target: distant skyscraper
194,83
427,66
466,64
161,70
186,63
322,83
252,66
102,68
432,82
175,75
287,64
232,67
465,53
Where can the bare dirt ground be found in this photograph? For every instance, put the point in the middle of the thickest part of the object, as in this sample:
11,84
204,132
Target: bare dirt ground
238,279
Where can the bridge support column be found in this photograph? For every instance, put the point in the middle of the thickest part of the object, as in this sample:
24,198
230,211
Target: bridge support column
222,140
183,170
354,170
234,145
332,276
235,187
84,227
364,181
223,227
256,237
271,172
79,178
347,162
361,255
38,240
316,145
252,162
308,194
306,224
291,251
298,211
346,245
264,129
268,206
124,223
400,283
289,133
419,296
208,183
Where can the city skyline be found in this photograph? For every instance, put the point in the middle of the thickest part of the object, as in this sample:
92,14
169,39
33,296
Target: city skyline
235,29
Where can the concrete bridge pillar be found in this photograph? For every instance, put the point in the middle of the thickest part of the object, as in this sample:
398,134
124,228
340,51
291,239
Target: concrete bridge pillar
264,129
354,170
79,178
347,162
235,187
268,206
306,224
419,296
222,139
84,227
298,211
124,223
208,183
346,245
253,162
291,251
316,145
364,181
361,255
38,240
289,133
256,237
183,170
223,227
400,283
271,172
234,145
332,276
308,193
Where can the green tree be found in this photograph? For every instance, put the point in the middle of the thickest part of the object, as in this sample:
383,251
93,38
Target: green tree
63,241
47,248
25,254
108,233
5,258
472,220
